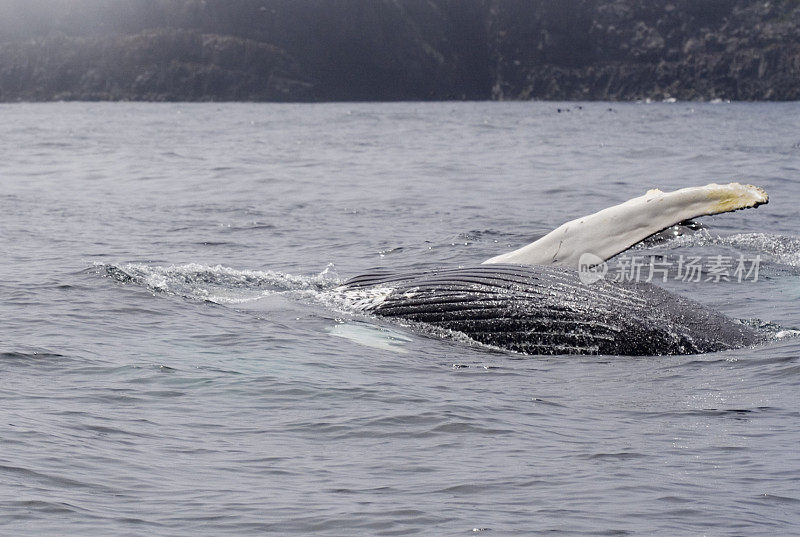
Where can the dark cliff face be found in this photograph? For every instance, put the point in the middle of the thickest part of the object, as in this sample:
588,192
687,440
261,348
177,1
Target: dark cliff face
368,49
161,65
636,49
399,49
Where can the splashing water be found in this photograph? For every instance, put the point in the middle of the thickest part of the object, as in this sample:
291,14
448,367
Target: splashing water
217,284
779,249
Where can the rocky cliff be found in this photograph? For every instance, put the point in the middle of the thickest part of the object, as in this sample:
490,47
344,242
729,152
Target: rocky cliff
157,65
638,49
399,49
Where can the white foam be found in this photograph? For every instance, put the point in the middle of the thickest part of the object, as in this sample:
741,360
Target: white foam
780,249
787,333
218,283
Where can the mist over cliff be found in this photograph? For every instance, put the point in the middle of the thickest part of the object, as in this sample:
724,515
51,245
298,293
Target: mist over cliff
320,50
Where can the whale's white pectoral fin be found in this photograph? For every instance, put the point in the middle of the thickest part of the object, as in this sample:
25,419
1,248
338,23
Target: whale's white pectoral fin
615,229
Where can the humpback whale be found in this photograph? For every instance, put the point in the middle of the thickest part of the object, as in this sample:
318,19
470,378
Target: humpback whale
533,300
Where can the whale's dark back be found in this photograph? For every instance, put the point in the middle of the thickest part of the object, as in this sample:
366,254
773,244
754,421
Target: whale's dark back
547,310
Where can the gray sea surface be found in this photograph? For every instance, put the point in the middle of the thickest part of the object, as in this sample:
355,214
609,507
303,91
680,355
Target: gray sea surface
172,361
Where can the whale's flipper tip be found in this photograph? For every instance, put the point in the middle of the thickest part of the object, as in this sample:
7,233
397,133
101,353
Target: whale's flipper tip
735,196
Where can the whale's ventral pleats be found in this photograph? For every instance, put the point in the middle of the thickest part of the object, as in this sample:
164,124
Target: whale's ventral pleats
548,310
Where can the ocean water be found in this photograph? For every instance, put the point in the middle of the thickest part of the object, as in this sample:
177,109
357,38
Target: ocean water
173,361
